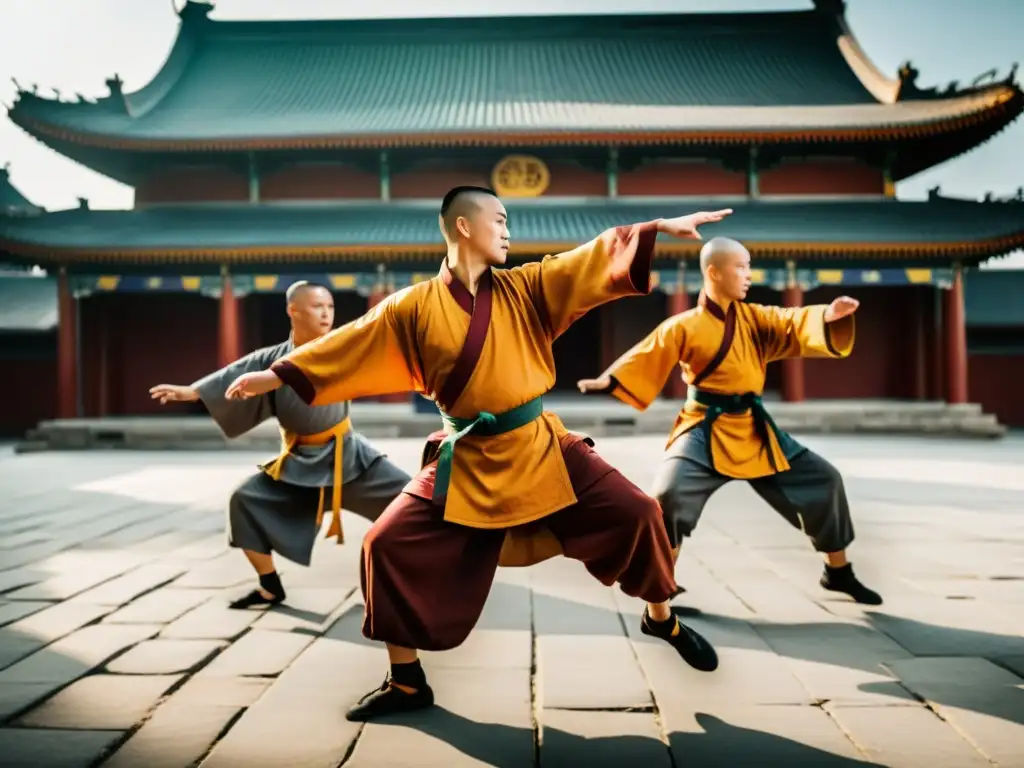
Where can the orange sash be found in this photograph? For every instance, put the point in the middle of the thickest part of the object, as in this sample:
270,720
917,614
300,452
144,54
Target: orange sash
288,442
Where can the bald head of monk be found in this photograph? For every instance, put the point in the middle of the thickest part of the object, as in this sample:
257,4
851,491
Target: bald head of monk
310,309
473,220
725,265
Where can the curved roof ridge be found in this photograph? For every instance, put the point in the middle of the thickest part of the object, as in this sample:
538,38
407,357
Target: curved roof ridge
12,200
179,58
885,89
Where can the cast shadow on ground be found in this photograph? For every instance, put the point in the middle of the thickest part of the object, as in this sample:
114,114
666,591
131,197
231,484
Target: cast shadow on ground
720,744
839,644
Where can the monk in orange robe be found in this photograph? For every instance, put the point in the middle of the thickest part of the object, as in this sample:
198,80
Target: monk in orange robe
723,432
504,482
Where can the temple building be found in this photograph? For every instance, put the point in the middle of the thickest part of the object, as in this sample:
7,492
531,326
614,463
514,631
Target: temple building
268,151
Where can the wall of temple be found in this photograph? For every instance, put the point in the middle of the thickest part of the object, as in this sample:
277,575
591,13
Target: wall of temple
430,176
837,176
131,341
30,394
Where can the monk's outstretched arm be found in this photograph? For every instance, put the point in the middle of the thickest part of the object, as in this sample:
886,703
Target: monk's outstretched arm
802,332
372,355
638,377
617,263
236,417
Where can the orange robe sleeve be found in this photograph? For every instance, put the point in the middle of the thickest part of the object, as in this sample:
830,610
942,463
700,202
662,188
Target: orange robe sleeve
802,332
372,355
617,263
640,374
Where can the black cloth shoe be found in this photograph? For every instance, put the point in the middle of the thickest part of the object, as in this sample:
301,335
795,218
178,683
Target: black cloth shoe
388,700
695,650
270,582
843,580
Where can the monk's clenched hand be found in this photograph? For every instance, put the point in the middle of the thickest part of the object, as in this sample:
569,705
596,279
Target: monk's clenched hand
840,308
685,227
591,386
252,385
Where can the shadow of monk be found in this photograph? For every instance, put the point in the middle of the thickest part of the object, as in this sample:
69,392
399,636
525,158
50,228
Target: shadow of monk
720,744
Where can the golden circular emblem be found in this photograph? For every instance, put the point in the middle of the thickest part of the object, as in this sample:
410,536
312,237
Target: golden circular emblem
520,176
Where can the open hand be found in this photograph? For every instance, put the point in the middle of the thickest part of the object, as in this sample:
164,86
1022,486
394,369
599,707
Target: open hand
173,393
252,385
840,308
685,227
591,386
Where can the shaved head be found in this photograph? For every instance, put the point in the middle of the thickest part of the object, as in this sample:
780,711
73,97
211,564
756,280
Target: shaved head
310,308
474,221
464,202
721,251
725,265
300,288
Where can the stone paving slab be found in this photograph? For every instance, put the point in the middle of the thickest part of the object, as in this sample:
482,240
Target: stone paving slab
580,672
101,702
131,585
18,610
602,740
113,615
188,723
260,652
905,737
211,620
46,748
161,606
157,657
77,654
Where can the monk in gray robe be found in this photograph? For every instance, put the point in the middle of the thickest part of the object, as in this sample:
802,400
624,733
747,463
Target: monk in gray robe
281,507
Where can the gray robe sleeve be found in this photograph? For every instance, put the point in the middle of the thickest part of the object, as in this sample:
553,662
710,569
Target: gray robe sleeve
236,417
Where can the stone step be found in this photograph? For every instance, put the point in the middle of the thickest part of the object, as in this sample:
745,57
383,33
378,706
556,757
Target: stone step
595,417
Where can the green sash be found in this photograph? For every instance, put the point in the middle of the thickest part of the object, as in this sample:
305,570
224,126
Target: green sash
717,404
486,424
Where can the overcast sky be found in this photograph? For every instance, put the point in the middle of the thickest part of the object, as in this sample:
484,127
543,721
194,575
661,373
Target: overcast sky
75,45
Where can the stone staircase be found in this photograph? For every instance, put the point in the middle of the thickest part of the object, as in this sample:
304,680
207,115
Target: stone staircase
595,417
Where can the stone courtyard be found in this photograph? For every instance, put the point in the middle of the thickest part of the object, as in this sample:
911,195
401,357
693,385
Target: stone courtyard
116,647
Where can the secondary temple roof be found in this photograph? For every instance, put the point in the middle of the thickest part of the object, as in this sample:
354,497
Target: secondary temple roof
690,78
937,230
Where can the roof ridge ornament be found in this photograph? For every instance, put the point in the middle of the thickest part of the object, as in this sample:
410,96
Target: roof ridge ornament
193,10
116,86
908,88
832,7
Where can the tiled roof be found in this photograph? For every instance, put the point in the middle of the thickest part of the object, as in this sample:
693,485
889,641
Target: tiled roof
469,80
214,234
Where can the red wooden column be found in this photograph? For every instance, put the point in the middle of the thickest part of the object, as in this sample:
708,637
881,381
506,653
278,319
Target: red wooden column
229,347
921,352
67,349
677,303
955,327
937,346
381,291
793,368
